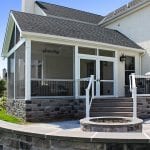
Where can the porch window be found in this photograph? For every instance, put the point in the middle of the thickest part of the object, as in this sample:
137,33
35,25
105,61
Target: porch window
129,68
15,37
11,77
88,51
52,70
106,53
20,72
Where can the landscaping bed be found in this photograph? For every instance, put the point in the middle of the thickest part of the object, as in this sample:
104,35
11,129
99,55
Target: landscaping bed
7,117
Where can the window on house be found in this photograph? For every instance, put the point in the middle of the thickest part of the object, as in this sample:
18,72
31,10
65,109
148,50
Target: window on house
20,72
129,68
106,53
88,51
11,77
15,37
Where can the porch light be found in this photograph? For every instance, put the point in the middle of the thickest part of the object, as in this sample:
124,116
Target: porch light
122,57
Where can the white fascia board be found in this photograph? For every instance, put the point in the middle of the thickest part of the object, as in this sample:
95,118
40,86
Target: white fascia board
118,17
8,29
74,41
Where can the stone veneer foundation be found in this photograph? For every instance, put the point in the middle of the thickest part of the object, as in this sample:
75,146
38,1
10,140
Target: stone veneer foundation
44,110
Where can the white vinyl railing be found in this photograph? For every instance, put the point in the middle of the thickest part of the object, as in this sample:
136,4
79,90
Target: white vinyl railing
139,86
133,90
88,98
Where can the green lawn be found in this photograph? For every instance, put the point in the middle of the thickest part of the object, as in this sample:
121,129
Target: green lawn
9,118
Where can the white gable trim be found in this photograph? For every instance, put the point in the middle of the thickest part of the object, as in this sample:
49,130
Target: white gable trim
74,41
11,22
7,38
125,14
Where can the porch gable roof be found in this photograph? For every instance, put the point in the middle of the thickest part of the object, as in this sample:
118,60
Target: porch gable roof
71,29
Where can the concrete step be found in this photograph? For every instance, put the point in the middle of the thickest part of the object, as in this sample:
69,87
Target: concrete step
114,100
121,106
111,109
119,114
112,104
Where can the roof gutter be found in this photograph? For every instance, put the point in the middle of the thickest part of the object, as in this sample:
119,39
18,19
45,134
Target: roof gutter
74,41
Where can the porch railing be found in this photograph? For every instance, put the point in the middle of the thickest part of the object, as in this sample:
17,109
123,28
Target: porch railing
139,86
51,87
89,97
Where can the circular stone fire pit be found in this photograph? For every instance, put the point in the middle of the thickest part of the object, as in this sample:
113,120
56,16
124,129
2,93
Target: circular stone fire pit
111,124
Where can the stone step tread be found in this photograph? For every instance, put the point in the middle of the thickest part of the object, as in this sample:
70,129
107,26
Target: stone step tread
125,114
110,108
111,105
110,111
111,101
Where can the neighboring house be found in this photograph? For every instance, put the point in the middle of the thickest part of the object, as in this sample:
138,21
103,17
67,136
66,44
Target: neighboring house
51,49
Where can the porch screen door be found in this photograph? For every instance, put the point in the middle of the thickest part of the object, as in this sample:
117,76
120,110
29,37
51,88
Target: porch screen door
106,78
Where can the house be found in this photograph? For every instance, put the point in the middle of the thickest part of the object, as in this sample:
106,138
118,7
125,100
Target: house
52,50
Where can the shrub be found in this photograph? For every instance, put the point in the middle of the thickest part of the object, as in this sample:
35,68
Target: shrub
2,87
3,103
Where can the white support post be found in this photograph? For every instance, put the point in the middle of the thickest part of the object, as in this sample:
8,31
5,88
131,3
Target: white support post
28,70
87,104
76,72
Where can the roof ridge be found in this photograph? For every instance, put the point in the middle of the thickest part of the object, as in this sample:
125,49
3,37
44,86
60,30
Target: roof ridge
70,8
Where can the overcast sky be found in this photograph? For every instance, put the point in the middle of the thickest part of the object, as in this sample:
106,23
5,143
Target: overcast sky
101,7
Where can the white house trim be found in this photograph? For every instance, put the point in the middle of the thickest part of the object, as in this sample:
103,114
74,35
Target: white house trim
74,41
15,47
28,70
76,71
126,13
7,35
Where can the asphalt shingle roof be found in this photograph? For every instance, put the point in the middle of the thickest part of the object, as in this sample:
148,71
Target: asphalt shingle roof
61,11
67,28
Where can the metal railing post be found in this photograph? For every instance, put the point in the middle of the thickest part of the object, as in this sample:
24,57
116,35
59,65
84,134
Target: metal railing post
92,76
87,104
134,95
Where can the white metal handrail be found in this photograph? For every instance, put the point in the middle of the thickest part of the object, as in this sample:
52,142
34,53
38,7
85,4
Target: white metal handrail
88,100
133,89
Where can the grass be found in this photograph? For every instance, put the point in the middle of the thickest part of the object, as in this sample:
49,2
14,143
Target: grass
9,118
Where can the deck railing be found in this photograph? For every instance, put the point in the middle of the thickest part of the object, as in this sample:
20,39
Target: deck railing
51,87
139,86
143,85
89,95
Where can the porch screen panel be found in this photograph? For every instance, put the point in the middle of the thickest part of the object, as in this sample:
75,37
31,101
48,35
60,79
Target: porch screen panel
11,77
20,72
